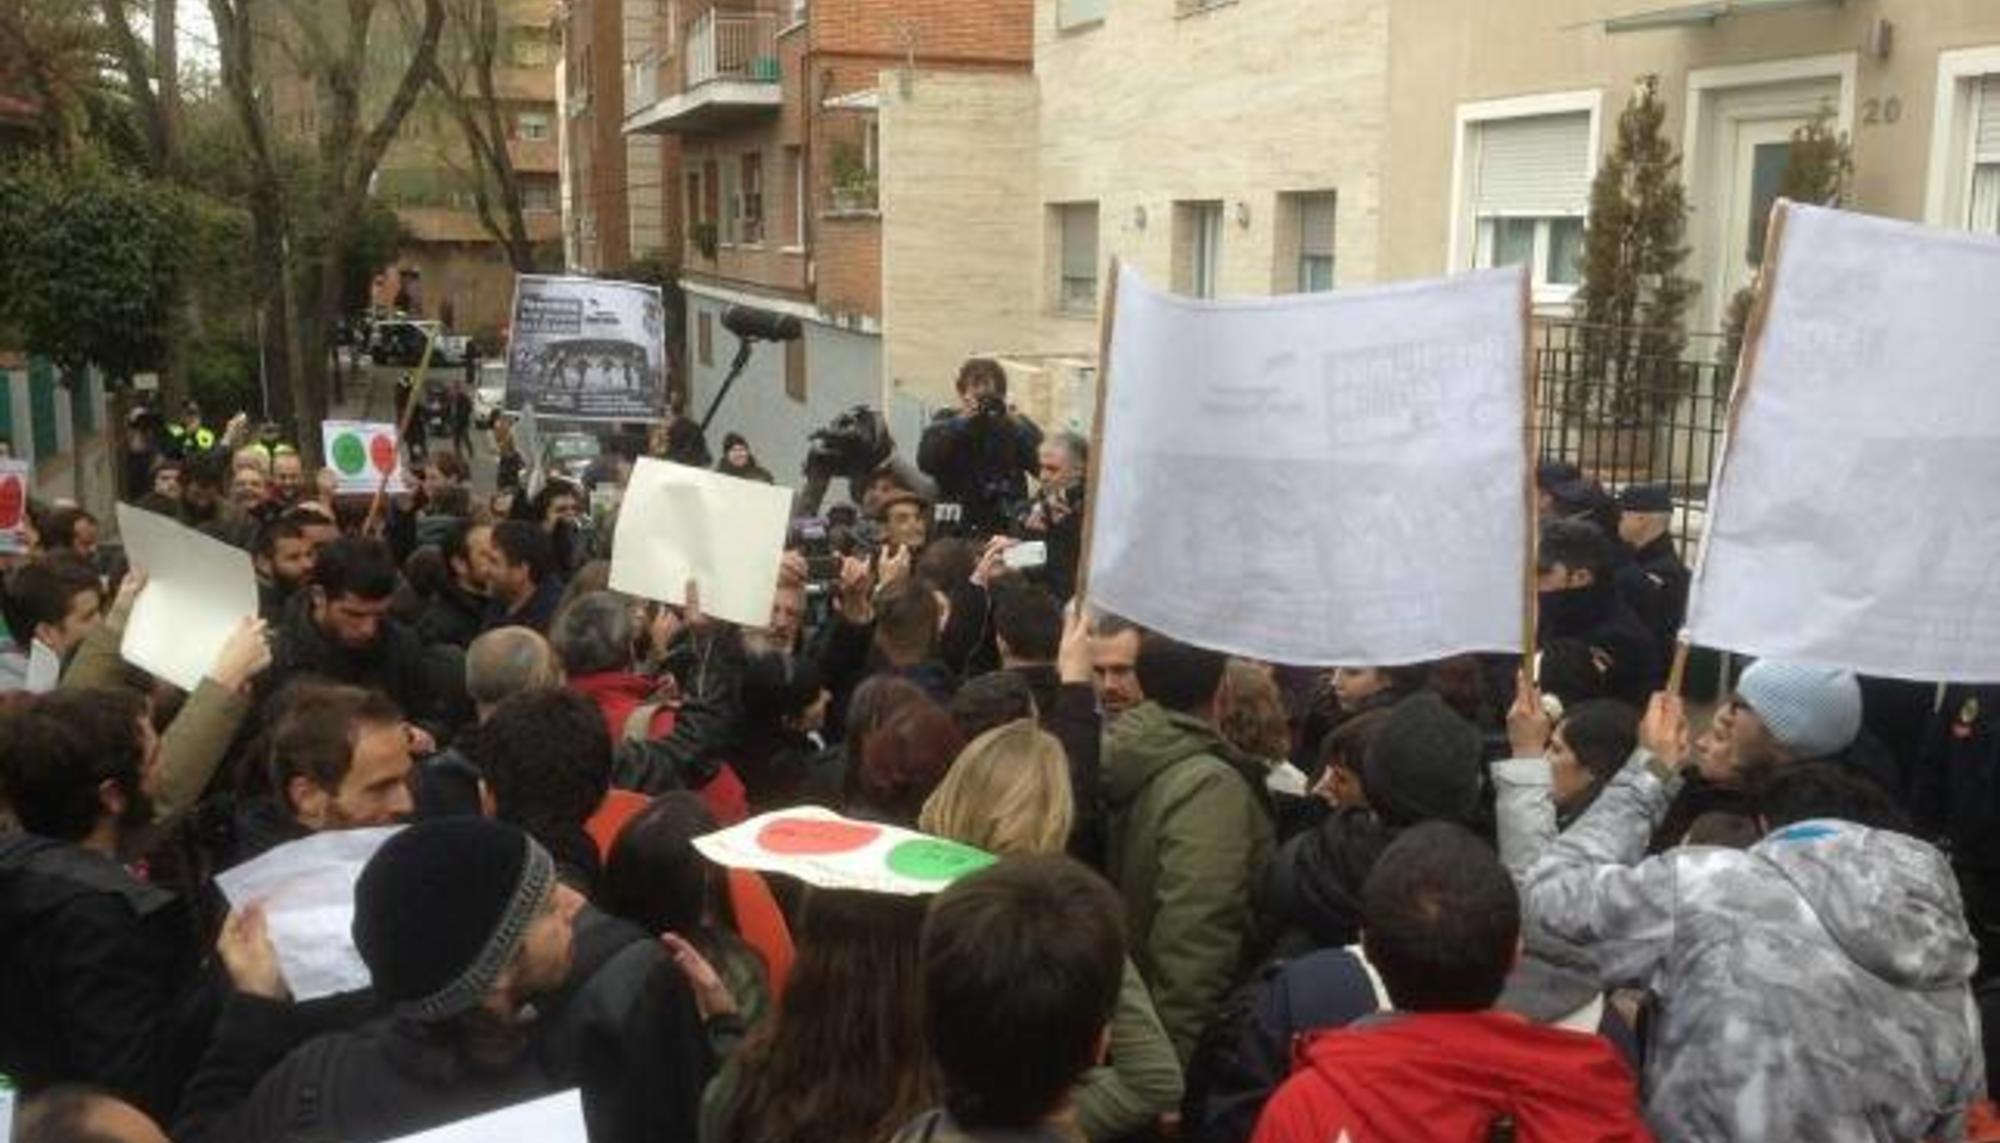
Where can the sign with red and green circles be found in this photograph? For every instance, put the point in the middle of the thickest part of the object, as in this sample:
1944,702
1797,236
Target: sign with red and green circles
828,851
360,453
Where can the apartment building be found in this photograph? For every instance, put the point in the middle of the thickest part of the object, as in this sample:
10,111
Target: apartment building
450,266
616,188
1221,147
1499,115
777,107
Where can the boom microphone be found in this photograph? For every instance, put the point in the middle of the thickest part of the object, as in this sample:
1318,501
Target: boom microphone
760,325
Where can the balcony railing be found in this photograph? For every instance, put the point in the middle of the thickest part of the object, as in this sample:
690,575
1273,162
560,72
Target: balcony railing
735,46
642,82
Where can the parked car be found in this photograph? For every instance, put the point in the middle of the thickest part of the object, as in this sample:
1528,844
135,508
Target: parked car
489,394
570,454
400,341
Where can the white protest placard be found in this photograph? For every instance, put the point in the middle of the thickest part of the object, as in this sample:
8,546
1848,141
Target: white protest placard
307,890
828,851
1854,521
16,478
198,591
1318,480
359,452
552,1119
679,523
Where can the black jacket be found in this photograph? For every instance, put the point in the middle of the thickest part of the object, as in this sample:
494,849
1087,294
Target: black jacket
264,1081
1600,617
1662,564
98,976
453,616
628,1033
625,1030
982,465
394,665
536,613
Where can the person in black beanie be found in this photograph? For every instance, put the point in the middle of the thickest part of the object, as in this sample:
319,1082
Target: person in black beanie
463,926
1422,765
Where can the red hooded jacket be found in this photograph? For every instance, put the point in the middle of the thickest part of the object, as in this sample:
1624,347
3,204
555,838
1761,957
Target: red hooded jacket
1448,1077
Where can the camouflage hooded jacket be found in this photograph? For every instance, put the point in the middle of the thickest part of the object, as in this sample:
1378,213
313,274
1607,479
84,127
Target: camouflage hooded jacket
1812,987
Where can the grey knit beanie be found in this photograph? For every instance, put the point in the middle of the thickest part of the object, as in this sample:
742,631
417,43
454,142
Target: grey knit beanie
1811,711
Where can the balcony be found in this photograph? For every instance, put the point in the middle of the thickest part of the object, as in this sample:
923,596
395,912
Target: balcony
726,75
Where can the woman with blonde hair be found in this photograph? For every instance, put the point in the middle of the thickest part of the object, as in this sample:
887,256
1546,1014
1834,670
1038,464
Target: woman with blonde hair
1009,794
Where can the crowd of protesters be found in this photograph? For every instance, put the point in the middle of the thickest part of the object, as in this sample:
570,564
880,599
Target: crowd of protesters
1463,900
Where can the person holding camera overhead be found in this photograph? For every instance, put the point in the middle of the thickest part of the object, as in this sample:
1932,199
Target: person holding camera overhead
983,454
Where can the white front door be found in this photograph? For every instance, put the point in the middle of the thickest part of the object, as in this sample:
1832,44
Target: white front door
1757,171
1736,158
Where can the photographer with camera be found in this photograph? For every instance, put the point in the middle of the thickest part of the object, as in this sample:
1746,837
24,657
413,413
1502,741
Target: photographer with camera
981,455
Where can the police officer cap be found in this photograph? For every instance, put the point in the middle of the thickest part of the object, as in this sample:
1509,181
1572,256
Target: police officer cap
1645,498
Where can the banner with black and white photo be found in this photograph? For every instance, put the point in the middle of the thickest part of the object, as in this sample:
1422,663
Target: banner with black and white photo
586,349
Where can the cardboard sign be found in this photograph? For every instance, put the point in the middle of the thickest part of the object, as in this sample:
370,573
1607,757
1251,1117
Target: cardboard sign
17,478
1853,523
679,523
825,850
359,452
1324,479
307,890
586,349
198,591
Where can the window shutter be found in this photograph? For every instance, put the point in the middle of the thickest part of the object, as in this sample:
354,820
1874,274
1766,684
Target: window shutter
1534,166
1316,221
1079,241
1986,123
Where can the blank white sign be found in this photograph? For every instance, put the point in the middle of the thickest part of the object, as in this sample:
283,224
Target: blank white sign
1856,522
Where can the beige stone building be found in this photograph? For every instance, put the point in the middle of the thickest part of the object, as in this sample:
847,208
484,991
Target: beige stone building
1223,148
1247,147
1499,114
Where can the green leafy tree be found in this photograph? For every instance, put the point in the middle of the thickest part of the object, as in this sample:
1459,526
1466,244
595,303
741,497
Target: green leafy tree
92,255
1633,298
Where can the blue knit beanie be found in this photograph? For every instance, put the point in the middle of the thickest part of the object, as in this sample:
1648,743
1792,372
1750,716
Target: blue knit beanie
1813,712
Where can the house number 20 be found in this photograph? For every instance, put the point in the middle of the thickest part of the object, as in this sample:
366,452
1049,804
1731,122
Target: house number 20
1881,112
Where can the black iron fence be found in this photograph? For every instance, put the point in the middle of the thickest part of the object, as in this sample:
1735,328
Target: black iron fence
1629,417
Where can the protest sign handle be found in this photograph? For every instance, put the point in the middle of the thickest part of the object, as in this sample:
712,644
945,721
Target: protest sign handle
1677,673
1530,597
374,522
1095,466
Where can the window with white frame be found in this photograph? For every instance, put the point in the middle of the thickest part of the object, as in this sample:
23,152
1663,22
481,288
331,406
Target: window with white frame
1529,194
531,126
1982,199
1076,237
1197,248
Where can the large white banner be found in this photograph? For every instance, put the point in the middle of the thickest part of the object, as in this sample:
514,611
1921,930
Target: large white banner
585,349
1324,479
1856,521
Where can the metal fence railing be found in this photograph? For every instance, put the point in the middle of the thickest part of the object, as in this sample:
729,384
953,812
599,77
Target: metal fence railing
1633,420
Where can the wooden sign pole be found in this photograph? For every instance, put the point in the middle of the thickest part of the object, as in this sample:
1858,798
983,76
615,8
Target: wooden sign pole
1095,466
1531,551
374,523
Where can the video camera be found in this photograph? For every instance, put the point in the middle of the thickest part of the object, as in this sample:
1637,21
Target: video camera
852,445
